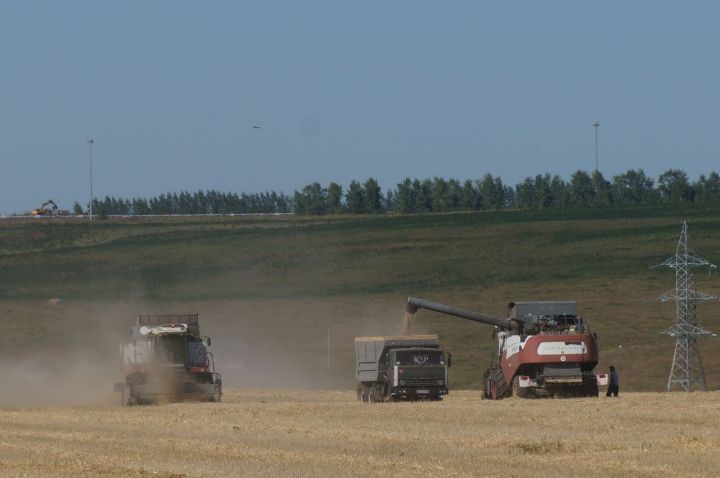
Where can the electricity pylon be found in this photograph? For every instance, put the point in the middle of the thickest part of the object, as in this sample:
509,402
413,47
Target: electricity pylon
687,370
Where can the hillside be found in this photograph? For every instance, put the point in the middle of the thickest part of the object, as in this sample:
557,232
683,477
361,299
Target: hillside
271,289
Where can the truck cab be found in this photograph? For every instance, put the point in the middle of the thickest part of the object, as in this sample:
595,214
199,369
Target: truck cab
417,373
409,367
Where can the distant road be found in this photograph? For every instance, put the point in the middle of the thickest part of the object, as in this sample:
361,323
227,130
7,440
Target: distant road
133,216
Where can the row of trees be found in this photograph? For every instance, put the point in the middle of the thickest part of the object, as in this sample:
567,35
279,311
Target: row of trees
200,202
582,190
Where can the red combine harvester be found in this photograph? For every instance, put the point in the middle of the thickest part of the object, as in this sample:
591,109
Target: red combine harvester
544,349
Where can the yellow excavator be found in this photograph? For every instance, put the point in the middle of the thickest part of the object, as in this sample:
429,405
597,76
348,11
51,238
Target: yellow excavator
49,208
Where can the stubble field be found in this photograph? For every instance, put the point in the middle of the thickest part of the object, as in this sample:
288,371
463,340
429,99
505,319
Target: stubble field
328,433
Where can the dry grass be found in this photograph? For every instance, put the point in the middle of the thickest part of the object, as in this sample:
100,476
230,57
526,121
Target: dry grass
304,433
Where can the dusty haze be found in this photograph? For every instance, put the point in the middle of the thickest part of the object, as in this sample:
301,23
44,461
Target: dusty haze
67,354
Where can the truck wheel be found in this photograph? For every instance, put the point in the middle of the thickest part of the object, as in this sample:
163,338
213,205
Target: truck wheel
364,394
377,394
371,395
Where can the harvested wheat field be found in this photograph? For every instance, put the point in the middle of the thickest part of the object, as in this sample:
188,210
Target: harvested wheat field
328,433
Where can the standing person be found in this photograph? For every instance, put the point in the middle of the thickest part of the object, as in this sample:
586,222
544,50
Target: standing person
614,385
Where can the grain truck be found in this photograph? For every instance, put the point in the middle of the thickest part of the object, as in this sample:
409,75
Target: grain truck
166,360
407,367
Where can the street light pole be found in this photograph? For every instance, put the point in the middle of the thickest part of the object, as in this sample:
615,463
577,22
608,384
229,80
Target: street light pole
596,124
91,142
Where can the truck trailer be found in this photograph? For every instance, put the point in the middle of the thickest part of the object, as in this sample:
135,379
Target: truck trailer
409,367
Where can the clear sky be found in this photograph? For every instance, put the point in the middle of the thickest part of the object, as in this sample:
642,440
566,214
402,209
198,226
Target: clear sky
342,90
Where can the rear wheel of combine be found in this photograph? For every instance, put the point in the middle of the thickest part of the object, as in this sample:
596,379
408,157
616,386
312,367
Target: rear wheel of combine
592,389
215,397
127,397
218,391
518,391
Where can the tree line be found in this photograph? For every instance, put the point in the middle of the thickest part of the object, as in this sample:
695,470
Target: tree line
200,202
582,190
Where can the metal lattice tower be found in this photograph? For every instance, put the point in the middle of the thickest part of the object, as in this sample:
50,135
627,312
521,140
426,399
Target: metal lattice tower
687,370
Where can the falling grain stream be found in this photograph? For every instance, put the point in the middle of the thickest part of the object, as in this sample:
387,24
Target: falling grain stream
408,322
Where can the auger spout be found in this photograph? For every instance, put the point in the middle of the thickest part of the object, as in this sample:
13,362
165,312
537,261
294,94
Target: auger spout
414,303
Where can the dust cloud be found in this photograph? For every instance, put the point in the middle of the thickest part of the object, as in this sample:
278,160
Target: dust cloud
305,343
68,354
73,380
59,355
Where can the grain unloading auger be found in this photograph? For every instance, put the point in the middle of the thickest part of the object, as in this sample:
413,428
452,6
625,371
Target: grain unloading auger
544,349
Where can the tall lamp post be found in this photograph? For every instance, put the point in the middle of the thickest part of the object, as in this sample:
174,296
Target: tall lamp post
596,125
91,142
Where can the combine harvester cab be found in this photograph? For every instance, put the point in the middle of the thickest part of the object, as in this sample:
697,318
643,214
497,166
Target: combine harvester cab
167,360
544,349
408,367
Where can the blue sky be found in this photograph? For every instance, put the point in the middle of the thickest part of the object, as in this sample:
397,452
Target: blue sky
343,90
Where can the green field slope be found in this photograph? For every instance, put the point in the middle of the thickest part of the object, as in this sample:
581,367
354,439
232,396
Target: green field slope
274,291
